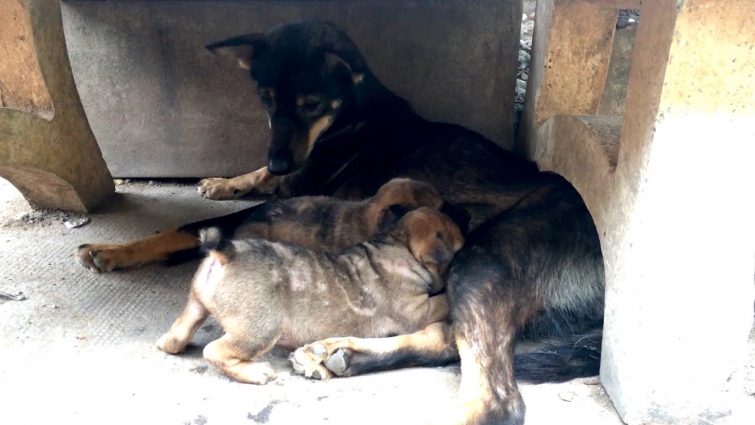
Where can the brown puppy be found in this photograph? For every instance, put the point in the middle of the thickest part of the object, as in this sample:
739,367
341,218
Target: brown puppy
267,294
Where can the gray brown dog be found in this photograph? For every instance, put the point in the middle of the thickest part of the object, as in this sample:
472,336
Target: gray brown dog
267,294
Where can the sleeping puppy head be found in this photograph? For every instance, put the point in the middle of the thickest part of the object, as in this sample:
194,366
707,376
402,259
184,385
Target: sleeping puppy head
432,237
307,75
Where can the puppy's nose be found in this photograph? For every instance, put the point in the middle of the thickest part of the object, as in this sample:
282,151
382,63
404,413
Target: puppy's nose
280,163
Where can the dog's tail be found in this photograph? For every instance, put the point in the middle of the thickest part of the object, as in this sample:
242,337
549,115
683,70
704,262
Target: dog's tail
216,245
560,359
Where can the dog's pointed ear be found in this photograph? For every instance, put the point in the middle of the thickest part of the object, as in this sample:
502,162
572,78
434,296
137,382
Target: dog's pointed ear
333,61
241,48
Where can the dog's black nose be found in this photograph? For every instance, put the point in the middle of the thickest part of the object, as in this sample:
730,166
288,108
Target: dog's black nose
280,166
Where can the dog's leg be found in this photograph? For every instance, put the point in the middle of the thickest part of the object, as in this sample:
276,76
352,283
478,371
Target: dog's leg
159,247
184,328
432,346
257,183
234,357
485,313
175,245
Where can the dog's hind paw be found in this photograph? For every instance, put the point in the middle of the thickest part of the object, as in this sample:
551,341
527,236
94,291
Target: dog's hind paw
317,362
308,361
98,258
338,362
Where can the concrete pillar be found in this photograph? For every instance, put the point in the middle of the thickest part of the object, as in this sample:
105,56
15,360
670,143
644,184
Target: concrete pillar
671,187
47,150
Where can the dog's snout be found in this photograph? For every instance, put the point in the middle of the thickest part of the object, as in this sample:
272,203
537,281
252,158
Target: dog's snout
280,163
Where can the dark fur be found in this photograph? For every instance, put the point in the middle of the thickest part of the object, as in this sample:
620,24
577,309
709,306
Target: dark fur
532,268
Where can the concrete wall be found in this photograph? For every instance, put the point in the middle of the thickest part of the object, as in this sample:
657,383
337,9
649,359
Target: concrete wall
160,105
47,150
670,185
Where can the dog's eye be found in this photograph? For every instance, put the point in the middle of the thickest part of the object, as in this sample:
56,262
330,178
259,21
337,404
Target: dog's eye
310,107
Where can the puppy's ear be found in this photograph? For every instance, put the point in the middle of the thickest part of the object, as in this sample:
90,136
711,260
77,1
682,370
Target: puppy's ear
459,215
241,48
333,62
391,216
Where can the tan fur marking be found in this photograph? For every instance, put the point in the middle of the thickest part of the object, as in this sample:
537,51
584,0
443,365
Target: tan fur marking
148,250
335,104
219,257
432,339
317,129
474,387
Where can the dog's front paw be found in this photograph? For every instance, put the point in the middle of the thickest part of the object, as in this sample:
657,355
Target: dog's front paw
220,189
170,344
98,258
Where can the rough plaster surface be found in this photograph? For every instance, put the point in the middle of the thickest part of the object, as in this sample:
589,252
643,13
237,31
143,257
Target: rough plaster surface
47,149
577,70
615,90
675,214
80,349
162,106
21,84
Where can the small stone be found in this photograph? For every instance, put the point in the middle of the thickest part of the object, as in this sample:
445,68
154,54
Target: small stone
74,223
521,88
127,181
524,59
591,381
119,182
566,396
20,296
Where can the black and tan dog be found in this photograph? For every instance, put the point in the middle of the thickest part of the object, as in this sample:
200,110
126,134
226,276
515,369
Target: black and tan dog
530,271
267,294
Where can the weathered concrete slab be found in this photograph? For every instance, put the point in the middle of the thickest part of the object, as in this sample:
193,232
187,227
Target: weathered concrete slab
47,149
670,185
162,106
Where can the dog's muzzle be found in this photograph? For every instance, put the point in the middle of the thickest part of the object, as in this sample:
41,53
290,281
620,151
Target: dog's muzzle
280,162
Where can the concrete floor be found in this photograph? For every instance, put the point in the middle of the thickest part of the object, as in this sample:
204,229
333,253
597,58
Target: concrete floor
80,349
